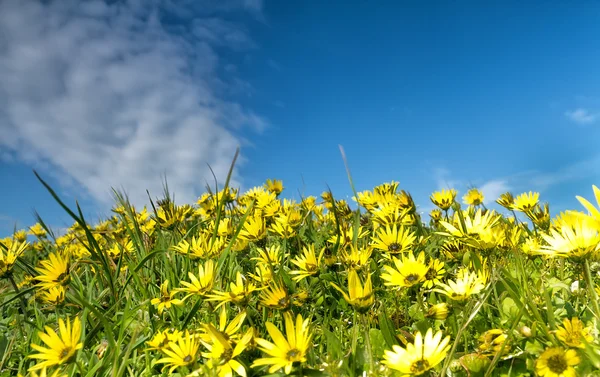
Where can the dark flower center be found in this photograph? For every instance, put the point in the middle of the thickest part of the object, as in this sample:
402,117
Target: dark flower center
419,366
292,354
411,279
64,353
187,359
393,247
431,274
557,364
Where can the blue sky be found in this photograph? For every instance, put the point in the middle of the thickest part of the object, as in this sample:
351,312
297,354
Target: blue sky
501,96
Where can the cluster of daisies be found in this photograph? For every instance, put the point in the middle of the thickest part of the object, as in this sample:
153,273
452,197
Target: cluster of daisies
253,284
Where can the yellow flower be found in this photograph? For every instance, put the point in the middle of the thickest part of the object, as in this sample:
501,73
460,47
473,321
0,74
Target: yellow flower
169,215
526,201
506,200
435,273
346,235
466,285
9,257
37,230
239,292
166,298
163,338
275,186
577,239
556,362
202,284
420,356
285,352
473,197
181,353
121,247
443,199
54,271
573,333
264,273
221,352
356,258
254,229
438,311
594,212
394,239
55,295
477,230
282,227
359,296
275,296
271,256
61,348
492,341
308,263
408,272
436,215
229,330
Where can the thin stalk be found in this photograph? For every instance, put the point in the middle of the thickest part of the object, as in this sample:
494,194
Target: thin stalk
594,296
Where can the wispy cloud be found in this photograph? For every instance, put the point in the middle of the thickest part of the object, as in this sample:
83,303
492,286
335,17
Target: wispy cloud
118,94
493,189
582,116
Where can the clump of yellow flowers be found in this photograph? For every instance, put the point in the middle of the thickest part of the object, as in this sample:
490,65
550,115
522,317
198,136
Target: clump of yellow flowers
253,283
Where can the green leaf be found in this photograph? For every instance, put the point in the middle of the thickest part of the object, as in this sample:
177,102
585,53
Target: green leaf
387,329
378,343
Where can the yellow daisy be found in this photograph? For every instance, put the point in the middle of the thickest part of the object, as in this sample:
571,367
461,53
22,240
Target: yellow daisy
526,201
239,293
594,212
53,271
285,351
473,197
556,362
394,239
408,272
273,185
181,353
62,347
9,257
420,356
221,353
202,284
275,296
466,285
308,263
443,199
573,333
359,296
166,298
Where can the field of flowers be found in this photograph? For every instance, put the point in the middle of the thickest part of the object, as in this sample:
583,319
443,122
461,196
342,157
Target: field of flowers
253,284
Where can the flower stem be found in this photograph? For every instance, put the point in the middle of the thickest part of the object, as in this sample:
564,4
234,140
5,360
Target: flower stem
590,283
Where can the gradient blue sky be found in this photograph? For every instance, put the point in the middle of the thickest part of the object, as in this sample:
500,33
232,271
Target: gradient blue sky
502,96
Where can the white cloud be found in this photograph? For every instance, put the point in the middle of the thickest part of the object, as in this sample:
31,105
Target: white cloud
582,116
493,189
119,95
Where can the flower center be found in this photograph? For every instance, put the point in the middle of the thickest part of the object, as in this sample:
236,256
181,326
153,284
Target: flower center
411,279
309,267
64,353
394,247
187,359
557,364
63,278
431,274
293,355
419,366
